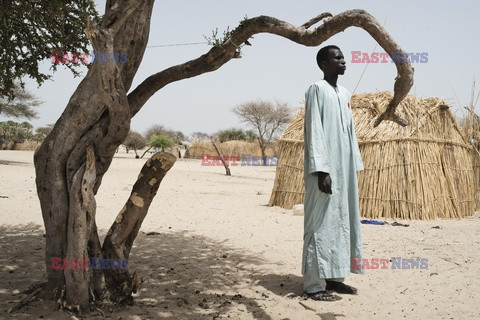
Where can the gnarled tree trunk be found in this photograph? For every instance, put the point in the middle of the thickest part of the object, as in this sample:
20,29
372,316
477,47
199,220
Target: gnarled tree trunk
74,157
97,118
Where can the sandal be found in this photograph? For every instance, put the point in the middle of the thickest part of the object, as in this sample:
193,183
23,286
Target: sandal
323,296
340,287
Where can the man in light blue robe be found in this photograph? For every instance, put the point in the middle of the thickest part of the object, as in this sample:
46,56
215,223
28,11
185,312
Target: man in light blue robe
332,235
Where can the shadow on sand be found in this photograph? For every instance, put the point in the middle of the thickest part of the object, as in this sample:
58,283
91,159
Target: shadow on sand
182,276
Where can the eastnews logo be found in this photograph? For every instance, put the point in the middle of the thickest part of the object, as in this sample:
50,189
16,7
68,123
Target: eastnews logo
83,57
396,56
92,263
397,263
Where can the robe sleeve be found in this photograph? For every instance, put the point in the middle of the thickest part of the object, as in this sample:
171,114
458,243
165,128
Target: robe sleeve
315,139
357,157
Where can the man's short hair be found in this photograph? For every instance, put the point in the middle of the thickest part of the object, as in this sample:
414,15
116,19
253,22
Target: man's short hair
322,54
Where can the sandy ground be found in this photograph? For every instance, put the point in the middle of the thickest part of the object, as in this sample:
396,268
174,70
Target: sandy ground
221,252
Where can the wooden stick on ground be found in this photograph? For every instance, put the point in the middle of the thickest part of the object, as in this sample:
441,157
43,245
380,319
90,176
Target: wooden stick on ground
220,156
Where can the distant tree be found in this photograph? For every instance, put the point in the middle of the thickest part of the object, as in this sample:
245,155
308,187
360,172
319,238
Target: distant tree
11,131
42,132
20,106
251,135
160,141
201,136
24,131
135,141
157,129
7,131
231,134
266,118
177,136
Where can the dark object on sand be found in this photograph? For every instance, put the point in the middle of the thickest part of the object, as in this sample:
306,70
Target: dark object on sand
372,222
398,224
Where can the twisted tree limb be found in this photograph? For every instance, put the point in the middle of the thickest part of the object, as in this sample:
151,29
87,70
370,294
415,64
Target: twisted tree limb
80,221
219,55
122,233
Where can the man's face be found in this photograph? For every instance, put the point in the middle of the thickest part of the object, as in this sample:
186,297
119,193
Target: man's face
336,62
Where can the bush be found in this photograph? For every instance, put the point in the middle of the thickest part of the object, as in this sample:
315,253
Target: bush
135,141
231,134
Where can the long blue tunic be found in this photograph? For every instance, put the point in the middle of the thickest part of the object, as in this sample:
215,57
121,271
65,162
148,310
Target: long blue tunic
332,234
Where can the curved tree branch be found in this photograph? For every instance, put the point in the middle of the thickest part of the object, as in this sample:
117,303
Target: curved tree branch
219,55
318,18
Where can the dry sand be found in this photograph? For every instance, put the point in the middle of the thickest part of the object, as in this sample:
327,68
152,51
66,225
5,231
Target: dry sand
221,252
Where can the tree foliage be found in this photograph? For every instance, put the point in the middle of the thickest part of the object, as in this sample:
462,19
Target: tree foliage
201,136
251,135
31,30
177,136
17,132
135,141
161,141
231,134
21,105
42,132
236,134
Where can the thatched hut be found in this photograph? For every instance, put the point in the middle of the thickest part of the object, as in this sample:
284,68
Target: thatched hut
422,171
471,130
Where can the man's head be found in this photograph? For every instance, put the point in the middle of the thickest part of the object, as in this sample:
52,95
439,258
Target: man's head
331,61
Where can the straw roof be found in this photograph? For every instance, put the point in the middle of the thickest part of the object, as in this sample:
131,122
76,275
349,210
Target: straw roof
422,171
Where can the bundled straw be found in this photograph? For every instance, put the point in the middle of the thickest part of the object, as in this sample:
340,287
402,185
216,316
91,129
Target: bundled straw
471,130
228,148
422,171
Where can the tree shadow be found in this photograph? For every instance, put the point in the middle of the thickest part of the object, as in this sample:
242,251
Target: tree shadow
189,276
281,284
21,258
181,276
13,163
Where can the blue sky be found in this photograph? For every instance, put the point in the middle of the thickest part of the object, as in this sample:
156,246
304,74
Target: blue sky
274,68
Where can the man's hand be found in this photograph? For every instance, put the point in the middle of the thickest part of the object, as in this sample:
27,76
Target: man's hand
325,182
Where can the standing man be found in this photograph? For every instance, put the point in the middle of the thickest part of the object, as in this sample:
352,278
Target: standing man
332,235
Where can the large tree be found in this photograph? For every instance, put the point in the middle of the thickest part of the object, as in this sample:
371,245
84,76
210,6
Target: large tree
74,157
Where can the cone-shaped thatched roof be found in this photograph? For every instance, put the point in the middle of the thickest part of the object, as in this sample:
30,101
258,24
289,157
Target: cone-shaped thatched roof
422,171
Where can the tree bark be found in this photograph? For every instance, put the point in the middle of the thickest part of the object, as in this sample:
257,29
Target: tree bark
219,55
264,155
220,156
263,147
143,154
97,117
122,233
72,160
81,216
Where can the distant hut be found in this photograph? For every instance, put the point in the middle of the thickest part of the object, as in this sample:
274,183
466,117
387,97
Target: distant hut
422,171
228,148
